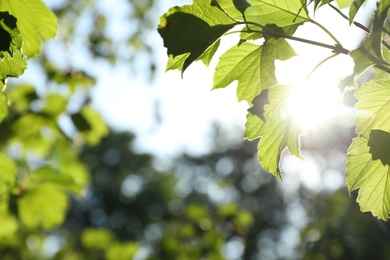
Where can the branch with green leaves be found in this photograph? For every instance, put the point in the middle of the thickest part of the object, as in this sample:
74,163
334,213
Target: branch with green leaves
193,32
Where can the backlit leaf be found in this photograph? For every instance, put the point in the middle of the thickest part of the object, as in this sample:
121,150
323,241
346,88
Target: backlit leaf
367,166
371,176
207,56
343,3
373,107
34,20
12,40
96,238
277,131
252,66
9,224
8,170
192,29
379,143
12,66
122,251
43,205
354,9
280,13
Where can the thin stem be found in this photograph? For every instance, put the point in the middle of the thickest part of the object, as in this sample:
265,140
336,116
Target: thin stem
335,48
326,31
381,67
216,4
319,64
361,26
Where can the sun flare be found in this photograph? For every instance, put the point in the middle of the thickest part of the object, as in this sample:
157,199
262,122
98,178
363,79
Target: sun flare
313,106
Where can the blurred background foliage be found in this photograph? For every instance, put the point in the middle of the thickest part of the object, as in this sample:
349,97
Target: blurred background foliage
72,188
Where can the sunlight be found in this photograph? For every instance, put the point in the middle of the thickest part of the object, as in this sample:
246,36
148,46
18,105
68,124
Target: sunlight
317,100
313,105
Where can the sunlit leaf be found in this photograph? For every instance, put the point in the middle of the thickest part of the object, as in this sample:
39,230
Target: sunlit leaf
373,106
96,238
280,13
12,40
121,251
192,29
343,3
371,177
367,166
43,205
207,56
9,224
233,8
354,9
55,104
97,128
379,143
252,66
3,106
34,20
21,97
8,170
196,212
186,33
12,66
277,130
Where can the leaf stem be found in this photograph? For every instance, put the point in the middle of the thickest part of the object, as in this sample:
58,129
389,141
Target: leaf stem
319,64
326,31
335,48
359,25
381,67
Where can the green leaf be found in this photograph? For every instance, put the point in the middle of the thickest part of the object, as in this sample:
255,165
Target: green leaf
48,174
280,13
371,176
55,104
207,56
176,62
373,107
367,166
192,29
370,51
34,20
8,170
379,144
252,66
319,3
186,33
277,130
11,38
233,8
354,9
97,128
96,238
122,251
12,66
21,97
343,3
9,225
3,106
43,205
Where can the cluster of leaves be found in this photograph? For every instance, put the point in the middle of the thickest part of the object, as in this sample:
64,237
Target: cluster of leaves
193,32
39,158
